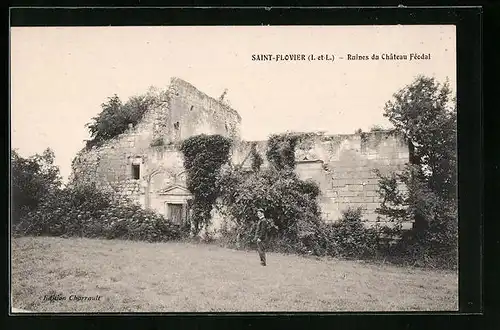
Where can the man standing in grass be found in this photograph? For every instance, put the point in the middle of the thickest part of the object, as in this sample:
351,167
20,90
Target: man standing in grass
263,225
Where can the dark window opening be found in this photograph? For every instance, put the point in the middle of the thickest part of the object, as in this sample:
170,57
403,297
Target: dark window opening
136,172
176,125
176,213
191,108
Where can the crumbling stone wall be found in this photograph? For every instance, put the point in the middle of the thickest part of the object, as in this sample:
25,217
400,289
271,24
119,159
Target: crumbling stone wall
178,112
343,167
198,113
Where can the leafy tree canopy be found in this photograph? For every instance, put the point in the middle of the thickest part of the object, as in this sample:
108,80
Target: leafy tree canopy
115,117
425,114
425,192
32,179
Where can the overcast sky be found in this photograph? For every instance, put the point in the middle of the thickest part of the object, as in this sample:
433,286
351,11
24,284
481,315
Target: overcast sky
60,76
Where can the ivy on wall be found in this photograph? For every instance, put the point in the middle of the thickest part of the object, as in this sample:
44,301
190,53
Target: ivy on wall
281,150
203,157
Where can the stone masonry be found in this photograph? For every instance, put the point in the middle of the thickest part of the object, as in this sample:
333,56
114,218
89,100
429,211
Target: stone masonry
343,166
145,159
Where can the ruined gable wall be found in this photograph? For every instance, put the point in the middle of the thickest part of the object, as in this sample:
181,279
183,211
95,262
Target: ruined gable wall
190,112
178,112
198,113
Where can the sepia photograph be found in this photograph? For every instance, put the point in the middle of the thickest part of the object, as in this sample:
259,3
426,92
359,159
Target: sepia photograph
173,169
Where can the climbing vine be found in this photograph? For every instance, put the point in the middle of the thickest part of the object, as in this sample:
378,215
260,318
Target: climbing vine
281,150
204,156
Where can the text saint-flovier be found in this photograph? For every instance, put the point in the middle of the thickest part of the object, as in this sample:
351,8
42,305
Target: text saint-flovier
262,57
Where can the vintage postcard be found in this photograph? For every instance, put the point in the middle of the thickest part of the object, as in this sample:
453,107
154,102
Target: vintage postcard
234,169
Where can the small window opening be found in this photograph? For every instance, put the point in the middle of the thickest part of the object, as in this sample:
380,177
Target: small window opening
191,109
136,171
176,125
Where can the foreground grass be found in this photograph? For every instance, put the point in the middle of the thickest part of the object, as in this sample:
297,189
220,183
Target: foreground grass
182,277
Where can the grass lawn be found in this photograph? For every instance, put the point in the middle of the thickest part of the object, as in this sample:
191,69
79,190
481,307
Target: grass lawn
183,277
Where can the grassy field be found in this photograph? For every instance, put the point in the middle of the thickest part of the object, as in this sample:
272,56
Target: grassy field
183,277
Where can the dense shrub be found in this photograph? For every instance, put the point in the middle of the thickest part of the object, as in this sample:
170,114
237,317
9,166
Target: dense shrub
350,238
88,212
287,200
204,156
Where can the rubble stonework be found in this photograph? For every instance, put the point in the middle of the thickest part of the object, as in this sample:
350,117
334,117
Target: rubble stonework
179,112
342,165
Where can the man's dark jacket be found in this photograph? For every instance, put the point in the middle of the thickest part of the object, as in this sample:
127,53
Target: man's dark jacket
261,230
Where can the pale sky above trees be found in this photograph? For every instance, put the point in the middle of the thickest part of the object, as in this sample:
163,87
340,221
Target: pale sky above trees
60,76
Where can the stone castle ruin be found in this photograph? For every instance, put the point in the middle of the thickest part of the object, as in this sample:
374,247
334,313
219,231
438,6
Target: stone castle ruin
144,162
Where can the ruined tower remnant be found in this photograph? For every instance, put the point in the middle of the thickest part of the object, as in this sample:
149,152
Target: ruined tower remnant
145,164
